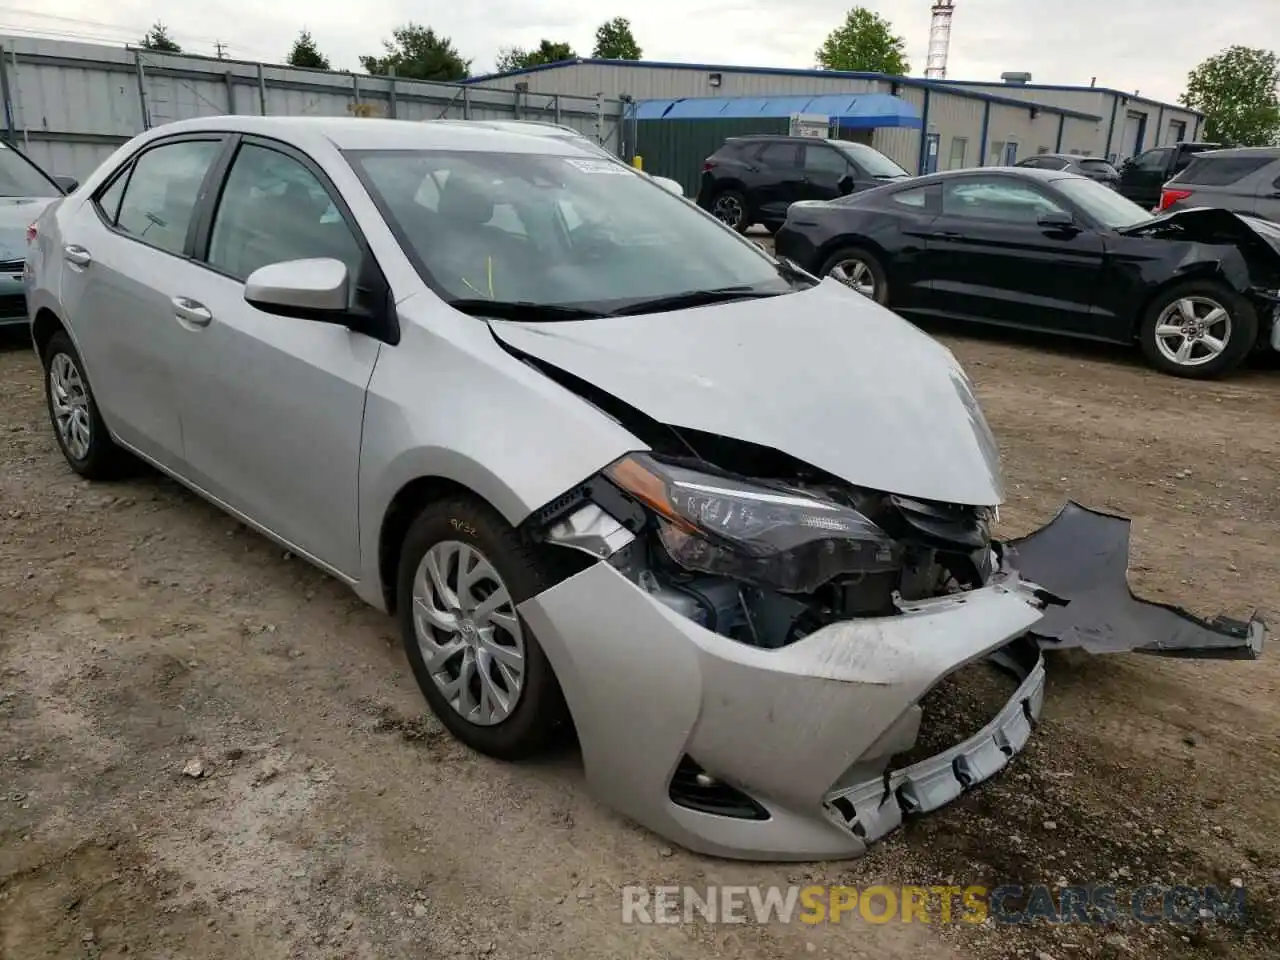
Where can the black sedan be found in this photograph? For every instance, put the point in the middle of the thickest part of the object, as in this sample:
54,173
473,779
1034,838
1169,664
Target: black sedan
1198,289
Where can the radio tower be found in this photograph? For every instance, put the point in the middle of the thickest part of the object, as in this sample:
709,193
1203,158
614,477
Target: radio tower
939,39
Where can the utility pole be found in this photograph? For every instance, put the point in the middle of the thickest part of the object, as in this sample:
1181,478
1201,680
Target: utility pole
221,48
939,39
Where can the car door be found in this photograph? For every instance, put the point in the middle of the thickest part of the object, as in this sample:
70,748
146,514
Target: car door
272,406
1144,175
828,174
121,251
778,181
988,257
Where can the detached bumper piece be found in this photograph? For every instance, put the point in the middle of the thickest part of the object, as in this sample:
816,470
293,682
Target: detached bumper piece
875,808
1082,557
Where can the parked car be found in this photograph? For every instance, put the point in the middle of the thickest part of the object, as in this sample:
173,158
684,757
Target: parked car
25,190
1095,168
557,131
1197,290
754,179
1245,180
1143,176
548,452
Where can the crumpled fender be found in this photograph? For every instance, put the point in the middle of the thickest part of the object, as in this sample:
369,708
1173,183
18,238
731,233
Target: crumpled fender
1082,557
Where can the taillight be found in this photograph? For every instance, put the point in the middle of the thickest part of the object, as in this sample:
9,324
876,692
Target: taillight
707,165
1169,197
32,233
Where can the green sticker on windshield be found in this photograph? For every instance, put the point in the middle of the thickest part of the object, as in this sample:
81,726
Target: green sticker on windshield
598,166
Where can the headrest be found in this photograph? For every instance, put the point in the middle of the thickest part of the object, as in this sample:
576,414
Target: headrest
465,202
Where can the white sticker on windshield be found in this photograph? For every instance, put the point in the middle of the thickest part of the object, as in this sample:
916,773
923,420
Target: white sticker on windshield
598,166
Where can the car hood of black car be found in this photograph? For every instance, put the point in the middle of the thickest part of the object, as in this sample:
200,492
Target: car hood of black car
1211,225
822,374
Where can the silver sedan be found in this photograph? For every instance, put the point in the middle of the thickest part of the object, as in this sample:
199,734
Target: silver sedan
615,470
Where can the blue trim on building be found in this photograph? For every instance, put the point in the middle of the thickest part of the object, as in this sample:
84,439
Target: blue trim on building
986,129
1115,105
955,87
1068,88
1062,123
924,126
1159,127
862,111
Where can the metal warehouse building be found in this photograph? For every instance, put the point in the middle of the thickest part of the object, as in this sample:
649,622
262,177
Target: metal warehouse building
924,125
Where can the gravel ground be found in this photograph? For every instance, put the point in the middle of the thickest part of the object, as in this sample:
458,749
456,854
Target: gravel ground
142,632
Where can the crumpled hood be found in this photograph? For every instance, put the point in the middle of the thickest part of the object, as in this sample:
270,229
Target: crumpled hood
824,375
1212,225
16,214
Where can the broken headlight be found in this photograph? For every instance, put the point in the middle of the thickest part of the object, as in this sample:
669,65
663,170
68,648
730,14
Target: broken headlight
772,535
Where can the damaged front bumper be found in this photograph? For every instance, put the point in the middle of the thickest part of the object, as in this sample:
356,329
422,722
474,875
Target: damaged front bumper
794,747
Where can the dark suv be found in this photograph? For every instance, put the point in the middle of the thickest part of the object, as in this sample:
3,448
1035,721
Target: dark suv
1142,177
1244,180
754,179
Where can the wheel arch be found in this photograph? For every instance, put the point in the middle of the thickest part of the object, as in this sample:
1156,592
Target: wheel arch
45,324
851,240
1204,272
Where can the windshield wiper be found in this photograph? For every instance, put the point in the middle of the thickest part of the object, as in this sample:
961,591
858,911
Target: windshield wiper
694,298
793,271
524,310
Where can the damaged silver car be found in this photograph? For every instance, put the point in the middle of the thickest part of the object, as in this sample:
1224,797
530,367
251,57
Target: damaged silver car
614,469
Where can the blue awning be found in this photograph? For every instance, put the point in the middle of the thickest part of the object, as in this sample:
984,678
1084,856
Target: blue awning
851,111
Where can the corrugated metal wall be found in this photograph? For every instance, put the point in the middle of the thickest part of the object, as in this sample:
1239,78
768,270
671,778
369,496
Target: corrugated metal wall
902,144
71,104
677,148
959,127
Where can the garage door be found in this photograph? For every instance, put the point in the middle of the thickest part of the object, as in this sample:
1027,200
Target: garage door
1131,142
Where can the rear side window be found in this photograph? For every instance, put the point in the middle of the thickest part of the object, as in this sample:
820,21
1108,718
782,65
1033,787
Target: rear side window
1097,166
1221,171
161,195
780,155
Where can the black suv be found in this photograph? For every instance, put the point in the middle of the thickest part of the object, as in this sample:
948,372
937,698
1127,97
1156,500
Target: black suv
754,179
1143,176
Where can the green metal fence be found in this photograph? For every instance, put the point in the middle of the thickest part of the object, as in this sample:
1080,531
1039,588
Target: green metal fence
676,148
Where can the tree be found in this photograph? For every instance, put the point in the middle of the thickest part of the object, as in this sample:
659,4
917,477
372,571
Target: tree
1237,92
419,53
515,58
305,53
864,43
158,38
615,41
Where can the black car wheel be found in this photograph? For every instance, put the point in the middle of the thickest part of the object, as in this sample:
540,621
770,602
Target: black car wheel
1199,330
463,573
77,425
730,208
860,271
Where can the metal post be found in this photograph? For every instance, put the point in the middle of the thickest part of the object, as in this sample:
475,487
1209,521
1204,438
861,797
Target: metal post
231,93
466,103
19,113
555,103
8,102
600,119
515,102
142,91
355,95
391,92
262,91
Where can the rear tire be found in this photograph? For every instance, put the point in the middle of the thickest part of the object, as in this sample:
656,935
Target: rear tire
482,672
730,208
859,270
1199,330
78,427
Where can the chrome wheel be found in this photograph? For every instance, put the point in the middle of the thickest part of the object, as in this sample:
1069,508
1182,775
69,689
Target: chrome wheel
728,210
855,274
467,630
70,403
1193,331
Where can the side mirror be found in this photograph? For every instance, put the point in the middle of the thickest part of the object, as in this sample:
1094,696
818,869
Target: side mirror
68,184
318,289
671,186
1057,220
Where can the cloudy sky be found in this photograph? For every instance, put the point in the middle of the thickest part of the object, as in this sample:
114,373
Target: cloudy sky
1143,45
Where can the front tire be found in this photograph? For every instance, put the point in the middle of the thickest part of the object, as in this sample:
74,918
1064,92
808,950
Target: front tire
1199,330
730,208
77,424
860,271
463,572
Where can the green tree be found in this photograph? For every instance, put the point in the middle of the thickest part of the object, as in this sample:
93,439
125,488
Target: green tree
615,41
1237,92
305,53
517,58
158,38
864,43
419,53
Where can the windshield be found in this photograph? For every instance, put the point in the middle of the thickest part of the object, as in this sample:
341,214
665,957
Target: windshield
1103,204
563,230
871,160
21,178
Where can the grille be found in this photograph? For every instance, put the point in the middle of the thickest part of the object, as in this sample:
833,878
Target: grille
12,266
13,305
715,798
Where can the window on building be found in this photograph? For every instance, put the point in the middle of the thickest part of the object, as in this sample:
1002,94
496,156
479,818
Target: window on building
959,149
997,153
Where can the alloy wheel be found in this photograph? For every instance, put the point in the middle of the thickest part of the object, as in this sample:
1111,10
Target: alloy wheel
466,626
1193,331
728,210
70,402
856,275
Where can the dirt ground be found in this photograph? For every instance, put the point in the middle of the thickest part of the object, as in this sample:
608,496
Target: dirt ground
140,630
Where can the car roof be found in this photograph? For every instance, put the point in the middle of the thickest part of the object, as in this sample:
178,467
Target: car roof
1271,153
536,128
1022,173
368,133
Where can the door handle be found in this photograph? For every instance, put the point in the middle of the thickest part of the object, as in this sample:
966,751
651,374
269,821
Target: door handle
76,254
944,235
192,311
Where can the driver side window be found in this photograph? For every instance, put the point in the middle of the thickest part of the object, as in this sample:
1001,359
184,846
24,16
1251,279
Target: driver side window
1153,160
995,199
